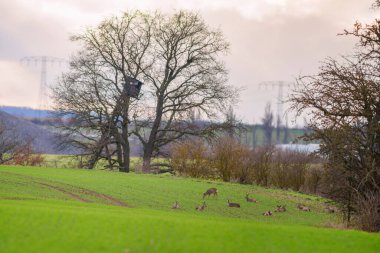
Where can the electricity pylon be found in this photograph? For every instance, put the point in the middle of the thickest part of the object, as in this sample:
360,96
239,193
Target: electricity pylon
42,61
280,85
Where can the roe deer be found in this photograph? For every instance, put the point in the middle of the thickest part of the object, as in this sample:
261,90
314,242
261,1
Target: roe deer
210,191
280,209
233,204
331,209
202,207
176,205
303,208
268,213
250,199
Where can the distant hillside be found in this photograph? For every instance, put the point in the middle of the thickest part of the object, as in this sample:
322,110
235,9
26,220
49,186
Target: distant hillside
44,141
25,112
41,125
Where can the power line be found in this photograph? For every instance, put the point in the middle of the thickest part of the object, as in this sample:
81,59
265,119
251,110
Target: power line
280,85
42,61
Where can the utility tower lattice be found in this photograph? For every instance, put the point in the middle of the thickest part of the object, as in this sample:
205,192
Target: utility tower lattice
280,95
43,61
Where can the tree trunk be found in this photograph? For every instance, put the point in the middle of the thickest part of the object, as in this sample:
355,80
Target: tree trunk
149,146
126,158
119,155
94,158
147,157
254,137
146,164
286,135
122,137
125,149
109,158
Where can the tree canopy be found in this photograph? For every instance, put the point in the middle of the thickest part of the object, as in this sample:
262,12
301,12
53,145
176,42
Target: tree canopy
343,106
177,57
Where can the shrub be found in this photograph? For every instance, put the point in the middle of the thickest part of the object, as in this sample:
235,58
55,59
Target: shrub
191,158
261,160
25,156
231,159
289,169
313,179
368,211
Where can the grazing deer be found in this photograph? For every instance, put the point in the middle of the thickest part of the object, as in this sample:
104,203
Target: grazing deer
233,204
303,208
330,209
300,206
250,199
210,191
176,205
202,207
280,209
268,213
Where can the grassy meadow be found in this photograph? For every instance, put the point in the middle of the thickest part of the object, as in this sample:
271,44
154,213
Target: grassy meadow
76,210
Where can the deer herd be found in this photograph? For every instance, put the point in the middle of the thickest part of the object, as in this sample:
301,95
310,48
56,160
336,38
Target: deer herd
214,192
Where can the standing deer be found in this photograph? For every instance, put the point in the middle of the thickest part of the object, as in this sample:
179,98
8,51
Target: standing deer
233,204
176,205
202,207
211,191
250,199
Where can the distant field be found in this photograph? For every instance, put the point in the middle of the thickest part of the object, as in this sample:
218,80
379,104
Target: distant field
73,210
71,161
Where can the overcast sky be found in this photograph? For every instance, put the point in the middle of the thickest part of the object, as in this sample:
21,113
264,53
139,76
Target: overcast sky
270,39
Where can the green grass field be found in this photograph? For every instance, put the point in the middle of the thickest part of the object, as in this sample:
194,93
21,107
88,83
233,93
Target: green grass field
73,210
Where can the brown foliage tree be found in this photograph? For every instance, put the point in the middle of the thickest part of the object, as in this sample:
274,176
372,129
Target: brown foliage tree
230,159
343,104
191,158
15,150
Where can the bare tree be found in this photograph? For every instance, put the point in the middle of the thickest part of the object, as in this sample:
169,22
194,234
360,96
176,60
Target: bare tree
16,149
187,73
8,144
267,121
93,94
231,117
278,129
254,135
343,104
376,4
177,57
286,132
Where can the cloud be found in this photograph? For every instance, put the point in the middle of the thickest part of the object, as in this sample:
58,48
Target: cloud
270,39
19,85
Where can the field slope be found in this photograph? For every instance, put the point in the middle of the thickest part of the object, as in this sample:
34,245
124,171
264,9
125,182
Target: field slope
67,210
